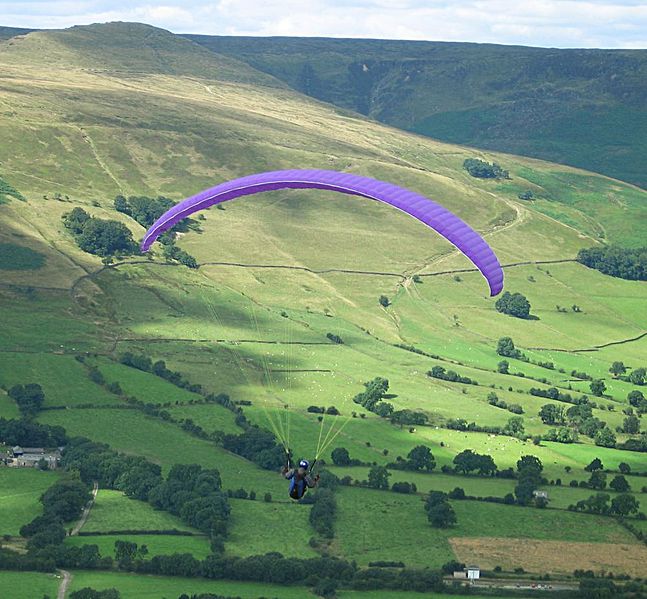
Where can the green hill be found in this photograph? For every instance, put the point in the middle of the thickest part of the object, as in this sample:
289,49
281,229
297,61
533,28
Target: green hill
280,271
579,107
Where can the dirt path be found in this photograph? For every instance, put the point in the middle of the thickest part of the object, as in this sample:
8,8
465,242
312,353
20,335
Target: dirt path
65,583
86,511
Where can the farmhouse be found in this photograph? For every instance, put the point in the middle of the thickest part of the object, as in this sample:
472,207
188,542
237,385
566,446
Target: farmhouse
540,494
32,457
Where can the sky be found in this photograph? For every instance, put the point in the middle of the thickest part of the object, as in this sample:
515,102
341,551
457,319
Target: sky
547,23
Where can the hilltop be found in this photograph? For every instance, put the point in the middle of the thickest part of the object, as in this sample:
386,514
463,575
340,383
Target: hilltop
284,314
579,107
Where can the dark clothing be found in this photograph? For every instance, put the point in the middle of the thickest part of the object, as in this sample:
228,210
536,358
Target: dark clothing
299,483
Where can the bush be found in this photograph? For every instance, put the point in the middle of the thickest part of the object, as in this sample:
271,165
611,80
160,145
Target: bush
484,170
513,304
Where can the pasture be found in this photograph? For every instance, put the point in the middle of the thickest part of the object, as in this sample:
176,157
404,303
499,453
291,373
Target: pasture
20,491
257,527
28,585
114,511
133,586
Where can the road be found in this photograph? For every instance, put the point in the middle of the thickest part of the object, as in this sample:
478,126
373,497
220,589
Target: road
86,511
65,583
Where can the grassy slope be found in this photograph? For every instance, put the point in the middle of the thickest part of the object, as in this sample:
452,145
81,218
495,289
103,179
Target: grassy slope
151,132
112,510
27,585
579,107
20,491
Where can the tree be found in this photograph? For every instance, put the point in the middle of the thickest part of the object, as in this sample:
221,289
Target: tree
106,238
524,493
439,511
631,425
421,458
441,515
598,387
513,304
605,437
595,464
637,376
597,480
635,397
514,427
503,367
29,397
624,467
624,504
617,368
551,414
619,484
484,170
75,220
340,456
378,477
505,347
384,301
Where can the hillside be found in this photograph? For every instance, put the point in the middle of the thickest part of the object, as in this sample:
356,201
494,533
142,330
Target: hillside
579,107
93,112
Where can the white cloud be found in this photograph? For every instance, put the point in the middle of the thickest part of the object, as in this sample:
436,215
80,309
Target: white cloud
561,23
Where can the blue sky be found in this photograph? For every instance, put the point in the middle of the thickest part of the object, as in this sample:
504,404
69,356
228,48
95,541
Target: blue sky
555,23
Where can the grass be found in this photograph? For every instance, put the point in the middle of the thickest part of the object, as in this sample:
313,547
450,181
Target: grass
20,491
374,525
27,585
143,385
113,511
132,586
156,544
257,528
63,379
16,257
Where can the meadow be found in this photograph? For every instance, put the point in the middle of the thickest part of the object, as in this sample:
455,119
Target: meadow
20,491
27,585
113,511
372,525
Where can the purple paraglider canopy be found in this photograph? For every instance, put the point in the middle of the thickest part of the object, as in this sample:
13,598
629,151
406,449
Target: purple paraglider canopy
430,213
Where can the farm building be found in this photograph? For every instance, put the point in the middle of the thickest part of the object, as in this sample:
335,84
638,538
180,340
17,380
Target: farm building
540,494
32,457
470,573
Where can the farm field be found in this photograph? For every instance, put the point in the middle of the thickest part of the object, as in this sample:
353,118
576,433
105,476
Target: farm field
27,585
64,380
113,511
20,491
370,526
554,556
258,528
133,586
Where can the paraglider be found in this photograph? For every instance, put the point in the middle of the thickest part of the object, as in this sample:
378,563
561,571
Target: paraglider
300,478
452,228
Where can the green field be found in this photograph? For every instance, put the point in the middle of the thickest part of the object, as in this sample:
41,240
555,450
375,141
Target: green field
132,586
372,525
258,528
28,585
113,511
63,379
20,491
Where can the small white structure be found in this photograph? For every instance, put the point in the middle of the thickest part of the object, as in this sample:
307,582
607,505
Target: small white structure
540,494
469,573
